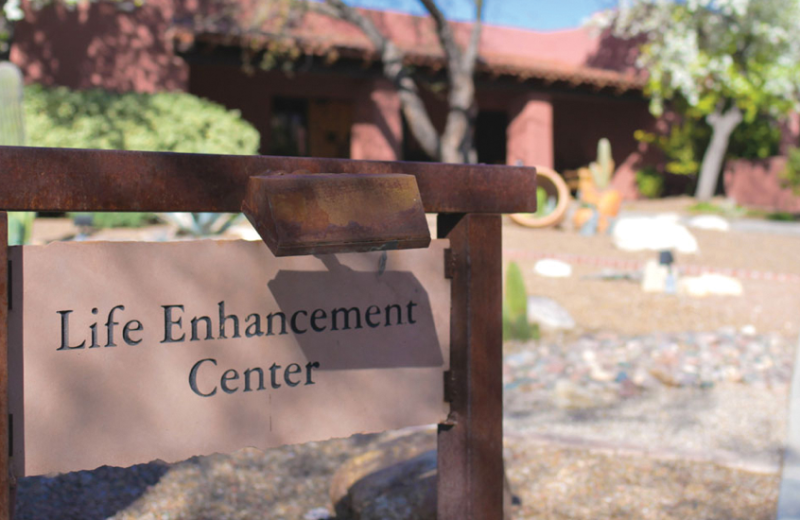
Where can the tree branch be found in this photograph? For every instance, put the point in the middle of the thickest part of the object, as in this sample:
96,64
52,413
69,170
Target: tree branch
349,14
394,70
471,54
445,34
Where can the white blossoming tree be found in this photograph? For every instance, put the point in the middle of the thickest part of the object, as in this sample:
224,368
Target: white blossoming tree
731,60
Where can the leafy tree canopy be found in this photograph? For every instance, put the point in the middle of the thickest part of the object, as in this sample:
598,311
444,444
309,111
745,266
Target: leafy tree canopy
716,52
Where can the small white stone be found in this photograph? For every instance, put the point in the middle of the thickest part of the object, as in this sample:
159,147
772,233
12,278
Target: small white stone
553,268
710,222
710,284
749,330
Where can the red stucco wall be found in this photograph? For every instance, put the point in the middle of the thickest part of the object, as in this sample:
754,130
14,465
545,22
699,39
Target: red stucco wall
757,184
100,45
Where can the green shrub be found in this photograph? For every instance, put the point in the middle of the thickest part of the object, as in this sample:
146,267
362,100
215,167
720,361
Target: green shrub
790,177
649,182
120,220
683,145
162,122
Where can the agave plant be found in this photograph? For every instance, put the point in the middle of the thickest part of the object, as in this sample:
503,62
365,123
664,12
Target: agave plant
201,224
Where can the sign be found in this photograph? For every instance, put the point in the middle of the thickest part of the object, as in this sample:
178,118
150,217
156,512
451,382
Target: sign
122,353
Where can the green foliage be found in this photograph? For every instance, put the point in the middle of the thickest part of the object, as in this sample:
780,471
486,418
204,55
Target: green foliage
756,139
685,142
725,209
515,307
649,182
20,227
683,145
162,122
790,177
782,216
119,220
541,202
603,168
729,60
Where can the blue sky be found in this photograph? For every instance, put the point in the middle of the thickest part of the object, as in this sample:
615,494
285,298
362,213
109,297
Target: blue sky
530,14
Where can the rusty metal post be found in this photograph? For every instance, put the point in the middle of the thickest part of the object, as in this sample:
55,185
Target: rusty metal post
470,457
6,502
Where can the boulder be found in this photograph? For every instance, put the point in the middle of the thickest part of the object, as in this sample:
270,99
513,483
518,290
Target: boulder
549,314
659,233
394,481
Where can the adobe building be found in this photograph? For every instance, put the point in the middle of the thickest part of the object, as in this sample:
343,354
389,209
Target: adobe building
544,98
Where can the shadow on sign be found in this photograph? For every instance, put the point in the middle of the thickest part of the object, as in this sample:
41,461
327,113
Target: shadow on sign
348,320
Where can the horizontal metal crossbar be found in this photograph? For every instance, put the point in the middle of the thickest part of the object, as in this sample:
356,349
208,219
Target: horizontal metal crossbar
59,179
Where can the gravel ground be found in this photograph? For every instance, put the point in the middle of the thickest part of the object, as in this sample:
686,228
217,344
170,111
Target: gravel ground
580,484
720,396
621,305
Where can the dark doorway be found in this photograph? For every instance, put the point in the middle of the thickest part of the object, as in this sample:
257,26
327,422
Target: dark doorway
289,127
490,137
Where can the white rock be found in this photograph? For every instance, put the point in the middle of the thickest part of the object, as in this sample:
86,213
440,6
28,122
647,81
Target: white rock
549,314
710,222
553,268
749,330
653,233
710,284
654,279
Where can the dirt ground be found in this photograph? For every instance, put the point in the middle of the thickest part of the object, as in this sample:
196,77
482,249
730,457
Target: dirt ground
769,306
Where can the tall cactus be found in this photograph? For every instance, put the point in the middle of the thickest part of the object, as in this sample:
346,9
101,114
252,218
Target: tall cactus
603,168
12,133
12,129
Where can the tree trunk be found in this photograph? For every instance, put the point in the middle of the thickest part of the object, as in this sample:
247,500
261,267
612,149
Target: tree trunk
722,125
457,137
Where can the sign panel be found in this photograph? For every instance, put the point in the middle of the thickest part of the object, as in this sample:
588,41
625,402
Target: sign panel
122,353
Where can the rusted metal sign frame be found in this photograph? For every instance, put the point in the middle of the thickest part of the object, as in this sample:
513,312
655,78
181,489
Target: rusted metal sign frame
468,198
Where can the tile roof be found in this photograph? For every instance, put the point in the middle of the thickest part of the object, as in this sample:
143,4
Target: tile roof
576,56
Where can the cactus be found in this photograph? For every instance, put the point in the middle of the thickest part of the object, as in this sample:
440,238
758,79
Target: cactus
12,130
515,307
603,168
12,133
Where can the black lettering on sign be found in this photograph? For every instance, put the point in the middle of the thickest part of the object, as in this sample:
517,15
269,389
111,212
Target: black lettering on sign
193,378
224,318
346,313
270,317
65,332
253,329
295,328
169,323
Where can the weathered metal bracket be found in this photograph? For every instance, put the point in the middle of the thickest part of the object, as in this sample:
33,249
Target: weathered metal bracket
304,214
